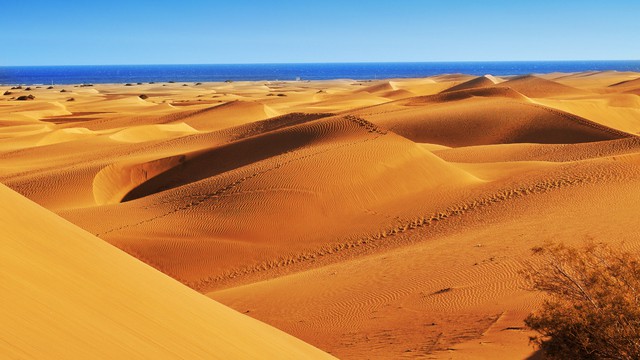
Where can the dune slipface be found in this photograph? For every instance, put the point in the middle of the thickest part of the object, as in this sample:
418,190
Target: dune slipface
69,295
369,219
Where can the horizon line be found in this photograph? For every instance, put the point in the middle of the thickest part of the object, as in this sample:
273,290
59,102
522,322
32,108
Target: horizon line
333,62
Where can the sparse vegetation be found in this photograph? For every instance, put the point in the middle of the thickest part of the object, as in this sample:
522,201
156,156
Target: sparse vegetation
143,97
25,97
593,309
8,92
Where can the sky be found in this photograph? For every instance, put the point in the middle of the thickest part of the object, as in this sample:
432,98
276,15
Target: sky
108,32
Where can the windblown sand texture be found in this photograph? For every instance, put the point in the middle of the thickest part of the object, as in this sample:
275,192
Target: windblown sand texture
369,219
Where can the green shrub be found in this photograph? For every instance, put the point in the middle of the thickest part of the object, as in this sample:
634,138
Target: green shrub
593,305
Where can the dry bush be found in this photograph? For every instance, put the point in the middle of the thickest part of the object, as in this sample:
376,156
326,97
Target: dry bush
593,307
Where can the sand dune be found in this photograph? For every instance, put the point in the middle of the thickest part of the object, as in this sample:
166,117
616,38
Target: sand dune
228,115
237,193
618,111
449,96
371,219
481,81
628,86
146,133
379,88
69,295
593,81
481,121
537,87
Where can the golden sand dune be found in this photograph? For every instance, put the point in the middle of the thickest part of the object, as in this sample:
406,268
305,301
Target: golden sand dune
455,95
35,111
145,133
372,219
628,86
227,115
236,187
481,81
476,120
594,81
539,152
537,87
69,295
618,111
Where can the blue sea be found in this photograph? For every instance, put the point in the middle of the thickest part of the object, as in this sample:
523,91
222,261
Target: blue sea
39,75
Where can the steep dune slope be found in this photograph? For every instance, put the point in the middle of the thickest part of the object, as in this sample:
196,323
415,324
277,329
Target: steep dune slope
481,81
228,115
486,120
537,87
618,111
68,295
323,177
628,86
69,168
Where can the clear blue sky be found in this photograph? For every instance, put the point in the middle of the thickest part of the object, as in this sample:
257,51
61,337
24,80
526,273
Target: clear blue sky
56,32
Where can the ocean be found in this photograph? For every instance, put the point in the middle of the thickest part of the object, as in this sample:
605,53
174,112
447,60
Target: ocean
48,75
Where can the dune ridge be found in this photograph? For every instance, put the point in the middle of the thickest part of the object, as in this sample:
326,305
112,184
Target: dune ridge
481,81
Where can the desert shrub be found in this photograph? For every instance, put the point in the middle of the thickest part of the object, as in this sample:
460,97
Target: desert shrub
593,307
143,97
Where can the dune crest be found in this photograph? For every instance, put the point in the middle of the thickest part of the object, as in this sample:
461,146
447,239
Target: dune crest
534,86
481,81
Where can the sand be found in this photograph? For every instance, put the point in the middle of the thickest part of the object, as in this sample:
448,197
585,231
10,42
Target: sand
369,219
70,295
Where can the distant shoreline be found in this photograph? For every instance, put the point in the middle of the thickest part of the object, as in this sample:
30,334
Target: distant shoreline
122,74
